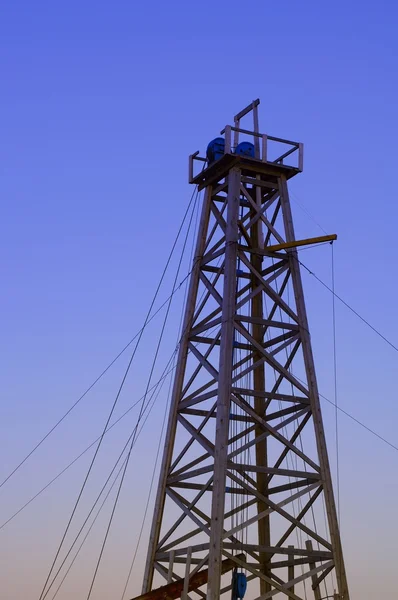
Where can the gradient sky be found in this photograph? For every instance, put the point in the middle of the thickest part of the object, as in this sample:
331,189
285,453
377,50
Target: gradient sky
101,104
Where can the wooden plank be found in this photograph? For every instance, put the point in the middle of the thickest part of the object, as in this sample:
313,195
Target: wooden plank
213,230
282,141
249,369
182,551
185,590
236,132
212,255
193,399
285,411
203,441
240,130
269,290
264,252
282,262
205,363
278,508
301,514
276,274
207,296
270,395
191,464
307,242
247,109
219,218
323,575
317,591
214,341
219,188
246,299
271,360
203,413
276,550
211,288
272,507
301,157
264,146
179,540
173,590
227,131
225,383
288,487
273,221
260,183
270,470
263,435
183,561
292,583
206,323
285,344
295,435
260,209
285,155
187,511
270,226
199,390
290,336
171,565
267,322
287,364
172,479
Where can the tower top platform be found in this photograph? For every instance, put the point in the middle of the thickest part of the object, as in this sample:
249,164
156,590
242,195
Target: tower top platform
272,156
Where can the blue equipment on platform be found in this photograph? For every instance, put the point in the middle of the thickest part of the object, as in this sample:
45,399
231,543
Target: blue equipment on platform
245,149
215,149
239,585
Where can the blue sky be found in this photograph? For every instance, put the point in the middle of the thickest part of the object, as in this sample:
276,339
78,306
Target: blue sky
101,104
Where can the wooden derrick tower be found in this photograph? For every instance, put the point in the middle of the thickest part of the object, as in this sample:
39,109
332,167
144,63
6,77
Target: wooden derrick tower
245,482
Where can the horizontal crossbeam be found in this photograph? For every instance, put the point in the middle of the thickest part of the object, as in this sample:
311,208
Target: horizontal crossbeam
316,240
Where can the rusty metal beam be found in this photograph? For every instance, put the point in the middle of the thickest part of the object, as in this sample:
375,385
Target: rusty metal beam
174,590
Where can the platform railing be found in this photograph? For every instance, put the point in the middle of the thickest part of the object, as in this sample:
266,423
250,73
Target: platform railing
263,144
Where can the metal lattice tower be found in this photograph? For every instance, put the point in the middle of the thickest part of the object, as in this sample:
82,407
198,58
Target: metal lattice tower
245,476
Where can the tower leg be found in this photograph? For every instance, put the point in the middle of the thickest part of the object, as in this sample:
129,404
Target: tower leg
314,394
264,534
224,387
176,394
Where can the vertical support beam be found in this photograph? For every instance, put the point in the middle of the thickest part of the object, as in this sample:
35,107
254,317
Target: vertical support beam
314,394
176,394
228,139
171,566
290,569
256,129
317,591
187,571
264,532
236,133
301,157
264,149
224,386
